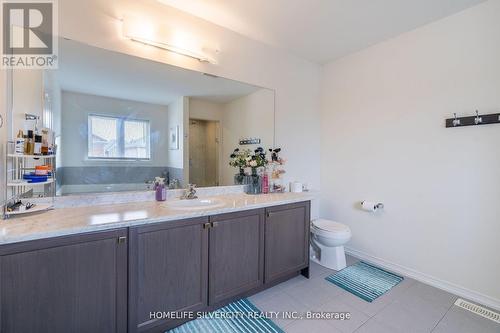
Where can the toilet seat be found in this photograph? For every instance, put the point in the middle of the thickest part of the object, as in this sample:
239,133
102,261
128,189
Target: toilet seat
330,229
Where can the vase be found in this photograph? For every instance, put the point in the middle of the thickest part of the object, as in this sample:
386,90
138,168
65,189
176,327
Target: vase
254,182
239,178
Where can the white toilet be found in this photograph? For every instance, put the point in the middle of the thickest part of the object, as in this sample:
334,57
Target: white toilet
327,243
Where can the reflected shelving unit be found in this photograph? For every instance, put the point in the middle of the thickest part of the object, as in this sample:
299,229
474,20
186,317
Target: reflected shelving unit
41,194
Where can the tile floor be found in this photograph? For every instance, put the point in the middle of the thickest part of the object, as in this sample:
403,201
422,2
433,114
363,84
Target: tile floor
409,307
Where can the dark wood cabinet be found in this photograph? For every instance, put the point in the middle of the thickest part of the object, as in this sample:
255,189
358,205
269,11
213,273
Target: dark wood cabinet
65,284
168,272
131,279
287,240
236,262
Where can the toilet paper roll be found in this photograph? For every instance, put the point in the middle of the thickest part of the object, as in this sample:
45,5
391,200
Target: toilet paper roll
296,187
369,206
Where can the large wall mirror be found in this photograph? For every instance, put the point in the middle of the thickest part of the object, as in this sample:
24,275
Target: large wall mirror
119,121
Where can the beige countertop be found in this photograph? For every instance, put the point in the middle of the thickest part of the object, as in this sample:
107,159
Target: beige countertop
74,220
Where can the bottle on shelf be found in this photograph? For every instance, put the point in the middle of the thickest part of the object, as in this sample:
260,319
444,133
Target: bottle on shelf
31,144
20,143
25,136
37,147
265,182
45,141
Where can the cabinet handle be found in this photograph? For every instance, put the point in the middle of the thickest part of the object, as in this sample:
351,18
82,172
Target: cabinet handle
122,240
269,214
214,224
206,225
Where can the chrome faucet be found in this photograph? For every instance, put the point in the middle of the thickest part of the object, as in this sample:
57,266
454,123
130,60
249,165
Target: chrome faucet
190,193
149,184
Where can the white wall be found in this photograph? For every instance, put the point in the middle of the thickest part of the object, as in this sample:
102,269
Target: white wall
248,116
76,108
27,95
383,138
176,118
295,81
205,110
52,91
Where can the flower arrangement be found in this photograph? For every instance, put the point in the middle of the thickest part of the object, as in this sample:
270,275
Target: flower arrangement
271,168
246,159
258,159
239,159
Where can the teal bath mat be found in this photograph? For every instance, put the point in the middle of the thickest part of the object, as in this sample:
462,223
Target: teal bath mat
238,317
364,280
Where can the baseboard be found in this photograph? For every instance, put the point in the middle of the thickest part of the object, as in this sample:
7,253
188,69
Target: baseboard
427,279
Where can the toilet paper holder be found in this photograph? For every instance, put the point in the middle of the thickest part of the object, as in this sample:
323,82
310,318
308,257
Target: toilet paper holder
376,206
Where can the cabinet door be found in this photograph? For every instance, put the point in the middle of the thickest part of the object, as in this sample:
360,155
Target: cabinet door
236,254
168,271
287,240
65,284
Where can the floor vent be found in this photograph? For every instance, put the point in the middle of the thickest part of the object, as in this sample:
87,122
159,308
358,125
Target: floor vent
491,315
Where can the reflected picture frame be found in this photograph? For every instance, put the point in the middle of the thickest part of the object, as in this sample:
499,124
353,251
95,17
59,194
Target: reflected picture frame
174,138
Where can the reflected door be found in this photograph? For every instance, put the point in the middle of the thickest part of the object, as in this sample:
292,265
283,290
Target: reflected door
203,152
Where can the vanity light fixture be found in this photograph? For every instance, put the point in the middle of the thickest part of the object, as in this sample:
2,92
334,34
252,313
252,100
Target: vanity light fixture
171,48
146,34
211,75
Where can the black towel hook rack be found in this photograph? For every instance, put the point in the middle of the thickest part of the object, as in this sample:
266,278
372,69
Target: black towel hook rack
484,119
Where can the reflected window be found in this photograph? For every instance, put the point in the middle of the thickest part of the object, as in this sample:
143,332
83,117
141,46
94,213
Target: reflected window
118,138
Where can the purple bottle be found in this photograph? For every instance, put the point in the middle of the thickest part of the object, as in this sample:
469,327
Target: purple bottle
161,192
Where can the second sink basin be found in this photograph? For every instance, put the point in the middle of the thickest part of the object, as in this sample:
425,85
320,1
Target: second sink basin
194,204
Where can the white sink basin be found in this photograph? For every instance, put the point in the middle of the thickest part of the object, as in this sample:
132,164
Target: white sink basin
194,204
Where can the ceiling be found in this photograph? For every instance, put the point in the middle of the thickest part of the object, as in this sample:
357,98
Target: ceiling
321,30
95,71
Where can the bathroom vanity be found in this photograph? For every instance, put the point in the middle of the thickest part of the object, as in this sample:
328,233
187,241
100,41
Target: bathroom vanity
120,279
